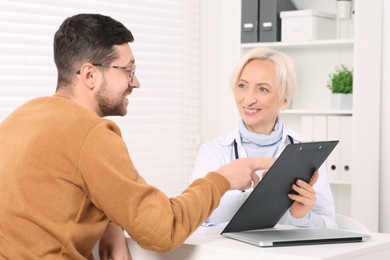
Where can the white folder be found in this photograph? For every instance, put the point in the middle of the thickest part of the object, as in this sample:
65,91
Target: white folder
345,147
333,162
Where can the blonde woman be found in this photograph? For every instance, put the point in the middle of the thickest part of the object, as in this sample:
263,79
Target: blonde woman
263,84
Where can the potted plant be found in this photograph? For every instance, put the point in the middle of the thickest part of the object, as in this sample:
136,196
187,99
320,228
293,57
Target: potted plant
341,84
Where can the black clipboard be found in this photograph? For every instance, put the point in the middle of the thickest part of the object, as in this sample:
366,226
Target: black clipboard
269,200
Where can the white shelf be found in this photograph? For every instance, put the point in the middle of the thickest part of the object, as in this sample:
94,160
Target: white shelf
317,112
310,44
340,183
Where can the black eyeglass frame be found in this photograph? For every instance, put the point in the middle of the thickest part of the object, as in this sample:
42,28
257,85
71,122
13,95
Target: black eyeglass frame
130,70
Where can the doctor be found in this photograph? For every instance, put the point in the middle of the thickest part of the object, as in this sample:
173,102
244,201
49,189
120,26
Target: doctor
263,84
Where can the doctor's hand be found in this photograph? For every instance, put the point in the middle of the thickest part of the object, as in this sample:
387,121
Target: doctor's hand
113,244
306,197
241,173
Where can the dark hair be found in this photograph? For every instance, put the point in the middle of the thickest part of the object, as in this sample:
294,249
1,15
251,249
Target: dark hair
86,38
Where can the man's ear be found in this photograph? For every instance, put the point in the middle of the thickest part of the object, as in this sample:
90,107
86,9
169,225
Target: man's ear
87,74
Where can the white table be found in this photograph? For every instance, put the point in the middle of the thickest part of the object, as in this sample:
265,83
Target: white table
207,243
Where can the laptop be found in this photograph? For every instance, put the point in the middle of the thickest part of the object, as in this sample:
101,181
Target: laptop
297,236
269,201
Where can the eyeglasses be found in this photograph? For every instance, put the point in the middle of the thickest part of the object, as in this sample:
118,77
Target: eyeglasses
130,70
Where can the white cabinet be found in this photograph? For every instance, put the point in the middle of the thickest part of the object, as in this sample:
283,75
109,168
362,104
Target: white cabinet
310,111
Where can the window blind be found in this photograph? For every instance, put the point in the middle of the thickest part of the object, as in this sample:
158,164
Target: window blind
162,124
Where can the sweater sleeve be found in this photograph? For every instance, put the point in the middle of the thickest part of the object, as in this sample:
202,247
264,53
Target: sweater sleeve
152,219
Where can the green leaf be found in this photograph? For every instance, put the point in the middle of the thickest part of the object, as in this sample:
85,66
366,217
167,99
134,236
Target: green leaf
341,81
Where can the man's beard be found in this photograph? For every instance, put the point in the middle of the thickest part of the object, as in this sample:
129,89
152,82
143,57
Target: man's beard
105,106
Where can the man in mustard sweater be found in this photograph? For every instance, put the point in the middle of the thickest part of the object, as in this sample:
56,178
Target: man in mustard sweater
60,159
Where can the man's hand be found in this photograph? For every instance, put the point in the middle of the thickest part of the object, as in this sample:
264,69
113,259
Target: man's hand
241,173
113,244
306,197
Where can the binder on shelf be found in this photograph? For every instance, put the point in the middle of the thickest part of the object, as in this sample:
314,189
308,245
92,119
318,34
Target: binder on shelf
319,128
339,162
249,21
260,19
314,127
307,126
346,148
270,23
333,161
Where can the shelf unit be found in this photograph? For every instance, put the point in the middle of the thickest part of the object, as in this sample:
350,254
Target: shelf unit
314,61
344,112
221,49
299,45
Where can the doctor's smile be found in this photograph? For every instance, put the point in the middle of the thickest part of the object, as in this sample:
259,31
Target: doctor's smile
250,111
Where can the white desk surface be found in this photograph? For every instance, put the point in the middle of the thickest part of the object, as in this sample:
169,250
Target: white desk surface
207,243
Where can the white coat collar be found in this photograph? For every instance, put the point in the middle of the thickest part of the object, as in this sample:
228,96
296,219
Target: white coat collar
229,138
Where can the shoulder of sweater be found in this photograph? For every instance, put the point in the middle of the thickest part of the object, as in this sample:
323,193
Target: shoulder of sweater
72,114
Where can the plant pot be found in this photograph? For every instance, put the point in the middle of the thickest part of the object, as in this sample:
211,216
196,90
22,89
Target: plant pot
341,101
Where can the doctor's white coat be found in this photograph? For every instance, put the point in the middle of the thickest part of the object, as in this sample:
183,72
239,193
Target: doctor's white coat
220,151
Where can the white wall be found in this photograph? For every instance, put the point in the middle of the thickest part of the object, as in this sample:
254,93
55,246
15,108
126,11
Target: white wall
366,118
220,50
384,202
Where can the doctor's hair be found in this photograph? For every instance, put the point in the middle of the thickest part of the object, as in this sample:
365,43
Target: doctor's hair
285,70
86,38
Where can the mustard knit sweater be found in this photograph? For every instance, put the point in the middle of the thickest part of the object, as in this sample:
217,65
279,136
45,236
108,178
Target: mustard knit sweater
64,171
